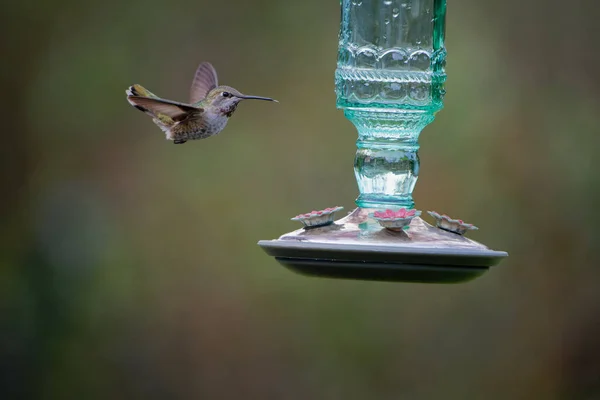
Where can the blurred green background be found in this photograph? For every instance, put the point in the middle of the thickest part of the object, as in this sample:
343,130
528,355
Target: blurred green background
129,266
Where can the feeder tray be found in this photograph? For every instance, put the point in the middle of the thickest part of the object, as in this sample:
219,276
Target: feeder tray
357,247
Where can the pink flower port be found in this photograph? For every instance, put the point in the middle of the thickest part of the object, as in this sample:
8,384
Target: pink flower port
391,214
452,225
396,220
315,218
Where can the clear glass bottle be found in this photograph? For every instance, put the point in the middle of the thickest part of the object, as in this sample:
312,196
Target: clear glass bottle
390,83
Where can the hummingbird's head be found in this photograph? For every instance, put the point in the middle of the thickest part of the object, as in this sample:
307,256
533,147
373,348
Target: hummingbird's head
225,99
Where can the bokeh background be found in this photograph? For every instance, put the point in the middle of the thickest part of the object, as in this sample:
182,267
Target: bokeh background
129,266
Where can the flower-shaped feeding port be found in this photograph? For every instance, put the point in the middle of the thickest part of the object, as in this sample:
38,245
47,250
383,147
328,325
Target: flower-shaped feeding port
451,225
315,219
395,220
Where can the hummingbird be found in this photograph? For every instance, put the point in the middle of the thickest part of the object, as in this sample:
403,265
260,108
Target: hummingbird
206,114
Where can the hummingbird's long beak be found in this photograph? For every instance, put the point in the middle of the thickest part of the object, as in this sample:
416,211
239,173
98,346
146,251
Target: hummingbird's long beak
257,98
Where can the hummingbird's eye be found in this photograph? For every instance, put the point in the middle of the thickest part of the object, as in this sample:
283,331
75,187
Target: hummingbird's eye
226,94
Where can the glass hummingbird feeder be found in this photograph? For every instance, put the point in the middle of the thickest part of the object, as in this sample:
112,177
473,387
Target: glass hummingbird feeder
390,83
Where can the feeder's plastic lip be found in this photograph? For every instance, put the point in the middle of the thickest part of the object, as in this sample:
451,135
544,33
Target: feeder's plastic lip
459,257
381,263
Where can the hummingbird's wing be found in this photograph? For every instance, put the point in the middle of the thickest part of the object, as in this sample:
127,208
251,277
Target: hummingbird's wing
204,81
159,107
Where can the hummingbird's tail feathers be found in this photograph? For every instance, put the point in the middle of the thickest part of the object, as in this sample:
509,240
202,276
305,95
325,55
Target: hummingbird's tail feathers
139,90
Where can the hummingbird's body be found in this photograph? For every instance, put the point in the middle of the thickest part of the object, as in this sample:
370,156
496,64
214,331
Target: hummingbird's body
206,114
